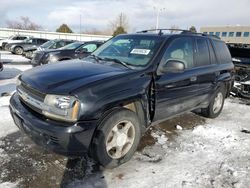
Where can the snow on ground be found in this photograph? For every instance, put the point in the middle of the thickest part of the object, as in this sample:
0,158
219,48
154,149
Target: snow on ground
8,57
7,125
210,153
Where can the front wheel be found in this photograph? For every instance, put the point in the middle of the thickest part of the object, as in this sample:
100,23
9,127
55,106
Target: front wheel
18,50
216,105
117,138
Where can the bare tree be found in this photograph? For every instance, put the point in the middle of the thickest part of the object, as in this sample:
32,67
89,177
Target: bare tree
23,23
120,21
94,31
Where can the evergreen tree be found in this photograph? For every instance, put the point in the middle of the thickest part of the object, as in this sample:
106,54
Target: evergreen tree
64,28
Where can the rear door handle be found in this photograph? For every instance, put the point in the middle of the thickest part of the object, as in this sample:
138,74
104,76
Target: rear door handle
193,78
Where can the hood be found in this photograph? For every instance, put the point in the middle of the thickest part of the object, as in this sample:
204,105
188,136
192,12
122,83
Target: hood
55,50
64,77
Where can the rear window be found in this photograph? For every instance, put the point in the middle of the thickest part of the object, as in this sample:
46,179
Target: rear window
222,52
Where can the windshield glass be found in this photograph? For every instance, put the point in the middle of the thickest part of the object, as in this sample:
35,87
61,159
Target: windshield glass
135,50
72,46
48,44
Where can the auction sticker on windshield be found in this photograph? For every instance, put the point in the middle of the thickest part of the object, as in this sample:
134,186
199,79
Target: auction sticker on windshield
140,51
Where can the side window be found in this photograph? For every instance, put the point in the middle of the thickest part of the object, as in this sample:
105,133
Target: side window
21,38
202,53
90,47
212,54
222,52
41,41
59,44
180,49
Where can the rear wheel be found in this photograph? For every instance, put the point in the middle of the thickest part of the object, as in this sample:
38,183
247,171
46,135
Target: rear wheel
117,138
18,50
216,105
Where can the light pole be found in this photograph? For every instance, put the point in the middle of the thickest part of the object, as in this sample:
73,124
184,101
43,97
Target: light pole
158,10
80,26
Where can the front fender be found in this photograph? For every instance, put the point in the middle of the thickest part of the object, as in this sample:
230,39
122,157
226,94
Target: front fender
104,96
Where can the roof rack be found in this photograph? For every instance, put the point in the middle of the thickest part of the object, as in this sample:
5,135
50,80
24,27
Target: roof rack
183,31
160,30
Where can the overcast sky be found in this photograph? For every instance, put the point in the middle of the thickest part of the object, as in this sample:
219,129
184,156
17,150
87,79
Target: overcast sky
141,14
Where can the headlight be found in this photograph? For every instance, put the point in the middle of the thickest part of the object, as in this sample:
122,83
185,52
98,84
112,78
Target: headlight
18,82
52,59
65,108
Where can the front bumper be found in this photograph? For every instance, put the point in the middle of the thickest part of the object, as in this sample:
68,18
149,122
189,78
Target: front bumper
71,140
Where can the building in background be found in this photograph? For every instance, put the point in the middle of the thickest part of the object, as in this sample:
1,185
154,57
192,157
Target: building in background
230,34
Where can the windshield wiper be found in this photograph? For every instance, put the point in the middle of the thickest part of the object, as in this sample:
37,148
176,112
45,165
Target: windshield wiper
95,57
116,61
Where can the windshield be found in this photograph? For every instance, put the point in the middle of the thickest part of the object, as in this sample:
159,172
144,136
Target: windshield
135,50
72,46
48,44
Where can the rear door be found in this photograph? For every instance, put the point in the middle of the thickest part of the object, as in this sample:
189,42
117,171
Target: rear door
205,63
177,92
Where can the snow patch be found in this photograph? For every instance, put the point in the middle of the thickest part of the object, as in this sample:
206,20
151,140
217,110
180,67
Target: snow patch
8,185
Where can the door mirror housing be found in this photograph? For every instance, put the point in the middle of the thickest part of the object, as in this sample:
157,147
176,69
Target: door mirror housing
173,66
82,50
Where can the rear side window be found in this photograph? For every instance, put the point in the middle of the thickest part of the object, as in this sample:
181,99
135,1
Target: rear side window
202,53
222,52
212,54
41,41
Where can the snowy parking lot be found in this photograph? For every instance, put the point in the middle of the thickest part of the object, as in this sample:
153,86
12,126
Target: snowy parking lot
187,151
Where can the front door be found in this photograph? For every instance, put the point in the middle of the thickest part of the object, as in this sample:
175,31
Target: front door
176,92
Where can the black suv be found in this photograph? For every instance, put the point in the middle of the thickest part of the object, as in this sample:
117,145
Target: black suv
18,48
102,104
71,51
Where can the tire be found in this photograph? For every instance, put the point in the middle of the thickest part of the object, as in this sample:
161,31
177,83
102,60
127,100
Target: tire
112,145
216,105
18,50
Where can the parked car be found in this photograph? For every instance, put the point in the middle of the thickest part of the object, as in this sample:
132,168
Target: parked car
71,51
17,48
12,39
102,104
52,44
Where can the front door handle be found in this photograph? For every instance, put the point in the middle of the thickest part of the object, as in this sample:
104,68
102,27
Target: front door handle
193,78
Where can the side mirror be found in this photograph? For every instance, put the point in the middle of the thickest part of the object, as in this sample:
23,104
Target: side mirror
82,50
173,66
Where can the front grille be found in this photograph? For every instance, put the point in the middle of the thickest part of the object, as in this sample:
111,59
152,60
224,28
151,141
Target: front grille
31,97
35,109
32,92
